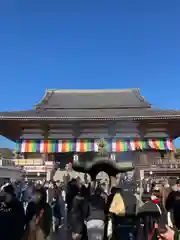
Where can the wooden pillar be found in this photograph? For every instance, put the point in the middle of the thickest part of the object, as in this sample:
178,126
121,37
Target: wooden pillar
51,169
50,172
162,157
172,159
135,165
142,156
44,158
54,168
141,163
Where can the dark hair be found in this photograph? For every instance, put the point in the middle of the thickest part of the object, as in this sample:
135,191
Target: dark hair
113,190
98,190
83,191
178,181
9,189
43,195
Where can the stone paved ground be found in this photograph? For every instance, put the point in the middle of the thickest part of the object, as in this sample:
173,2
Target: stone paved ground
62,235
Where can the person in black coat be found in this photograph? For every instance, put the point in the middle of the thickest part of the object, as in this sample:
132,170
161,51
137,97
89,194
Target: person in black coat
173,205
79,214
96,216
72,190
12,216
152,215
124,226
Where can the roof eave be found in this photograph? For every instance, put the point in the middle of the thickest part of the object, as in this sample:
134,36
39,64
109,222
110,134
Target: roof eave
91,118
136,91
45,98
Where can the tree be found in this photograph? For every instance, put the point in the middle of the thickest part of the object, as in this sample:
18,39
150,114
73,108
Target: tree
6,153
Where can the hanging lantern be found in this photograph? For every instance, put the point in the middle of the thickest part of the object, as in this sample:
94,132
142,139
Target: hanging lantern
113,156
75,158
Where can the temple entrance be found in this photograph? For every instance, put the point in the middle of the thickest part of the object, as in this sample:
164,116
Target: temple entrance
62,159
64,162
98,167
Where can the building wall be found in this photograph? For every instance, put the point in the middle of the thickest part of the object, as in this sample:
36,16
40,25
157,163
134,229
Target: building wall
32,163
149,158
96,129
13,174
126,159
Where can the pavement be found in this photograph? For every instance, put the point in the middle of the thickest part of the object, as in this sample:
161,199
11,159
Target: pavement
62,234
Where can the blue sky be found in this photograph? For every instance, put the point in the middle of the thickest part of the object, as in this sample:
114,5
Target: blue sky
88,44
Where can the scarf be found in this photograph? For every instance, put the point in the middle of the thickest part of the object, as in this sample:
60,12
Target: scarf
156,201
154,234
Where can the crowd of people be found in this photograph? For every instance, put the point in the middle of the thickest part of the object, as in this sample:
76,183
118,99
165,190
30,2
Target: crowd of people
36,211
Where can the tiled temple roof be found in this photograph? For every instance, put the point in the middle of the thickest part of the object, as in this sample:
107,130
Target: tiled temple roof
92,104
83,99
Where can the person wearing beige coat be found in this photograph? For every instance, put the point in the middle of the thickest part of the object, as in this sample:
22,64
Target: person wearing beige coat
39,223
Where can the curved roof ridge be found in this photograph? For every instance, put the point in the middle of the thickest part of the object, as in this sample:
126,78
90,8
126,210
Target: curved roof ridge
137,92
45,98
50,93
92,90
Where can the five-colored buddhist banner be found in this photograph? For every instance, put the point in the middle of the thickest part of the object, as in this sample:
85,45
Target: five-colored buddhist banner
52,146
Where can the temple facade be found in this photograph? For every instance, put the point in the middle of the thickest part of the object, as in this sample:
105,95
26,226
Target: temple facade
74,125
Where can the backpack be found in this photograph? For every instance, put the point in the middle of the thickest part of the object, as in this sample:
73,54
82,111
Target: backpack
117,206
123,204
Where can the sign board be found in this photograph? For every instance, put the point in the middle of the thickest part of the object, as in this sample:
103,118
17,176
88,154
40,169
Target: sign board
28,161
141,174
49,163
38,161
125,164
35,169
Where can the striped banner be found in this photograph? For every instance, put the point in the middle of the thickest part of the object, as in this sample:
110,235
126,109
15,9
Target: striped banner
52,146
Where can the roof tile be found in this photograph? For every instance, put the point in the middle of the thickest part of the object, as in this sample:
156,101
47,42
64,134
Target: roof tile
82,99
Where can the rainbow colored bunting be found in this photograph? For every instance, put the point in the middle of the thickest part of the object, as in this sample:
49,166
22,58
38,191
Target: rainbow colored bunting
52,146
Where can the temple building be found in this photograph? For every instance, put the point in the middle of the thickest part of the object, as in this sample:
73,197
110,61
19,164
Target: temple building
74,125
